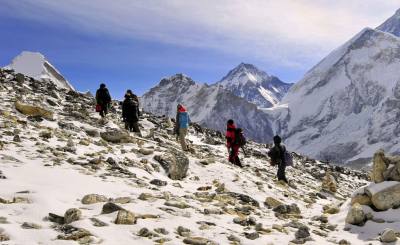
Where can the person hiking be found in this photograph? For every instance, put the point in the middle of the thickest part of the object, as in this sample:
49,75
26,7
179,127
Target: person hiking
277,155
135,98
182,125
130,113
103,100
232,146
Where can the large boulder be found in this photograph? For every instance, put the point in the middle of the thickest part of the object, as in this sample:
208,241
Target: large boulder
175,163
116,136
379,166
33,111
392,172
356,215
384,195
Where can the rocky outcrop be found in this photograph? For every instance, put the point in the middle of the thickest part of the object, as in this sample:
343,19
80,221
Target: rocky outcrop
175,163
34,111
116,136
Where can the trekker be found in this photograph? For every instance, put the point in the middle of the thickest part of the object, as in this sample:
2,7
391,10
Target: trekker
182,125
130,113
232,146
103,99
277,155
135,98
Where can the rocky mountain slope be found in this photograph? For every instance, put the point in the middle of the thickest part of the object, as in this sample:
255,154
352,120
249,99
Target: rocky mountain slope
254,85
346,107
35,65
67,176
209,105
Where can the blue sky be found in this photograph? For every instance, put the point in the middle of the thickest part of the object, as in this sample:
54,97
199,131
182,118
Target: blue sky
133,44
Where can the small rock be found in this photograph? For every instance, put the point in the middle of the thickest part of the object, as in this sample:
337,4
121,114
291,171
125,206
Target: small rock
16,138
161,231
233,238
110,208
71,215
388,235
144,232
271,202
27,225
125,217
198,241
122,200
158,182
252,235
146,151
180,205
98,223
56,218
182,231
302,232
93,198
344,242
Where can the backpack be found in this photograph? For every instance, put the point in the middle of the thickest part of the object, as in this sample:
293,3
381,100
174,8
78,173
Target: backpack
288,158
240,140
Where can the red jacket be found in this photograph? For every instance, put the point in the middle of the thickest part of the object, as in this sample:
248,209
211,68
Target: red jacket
230,135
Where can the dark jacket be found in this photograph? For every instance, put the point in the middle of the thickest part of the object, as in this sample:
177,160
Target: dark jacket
277,154
130,110
103,96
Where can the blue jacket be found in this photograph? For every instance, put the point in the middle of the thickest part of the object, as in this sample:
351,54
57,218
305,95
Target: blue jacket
183,119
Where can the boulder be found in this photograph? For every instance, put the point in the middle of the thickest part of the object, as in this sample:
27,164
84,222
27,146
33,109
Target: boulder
384,195
271,202
329,182
124,217
93,198
392,172
110,208
146,151
388,235
356,215
175,163
34,111
71,215
379,166
302,232
92,132
116,136
362,199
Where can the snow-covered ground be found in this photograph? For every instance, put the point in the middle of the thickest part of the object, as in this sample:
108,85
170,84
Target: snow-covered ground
51,173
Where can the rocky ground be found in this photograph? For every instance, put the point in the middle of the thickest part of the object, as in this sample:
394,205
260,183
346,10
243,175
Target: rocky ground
69,177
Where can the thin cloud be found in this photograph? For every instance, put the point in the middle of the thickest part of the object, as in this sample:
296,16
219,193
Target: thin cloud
290,33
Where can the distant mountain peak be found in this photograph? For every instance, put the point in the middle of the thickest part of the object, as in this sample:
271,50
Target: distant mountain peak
35,64
246,72
254,85
391,25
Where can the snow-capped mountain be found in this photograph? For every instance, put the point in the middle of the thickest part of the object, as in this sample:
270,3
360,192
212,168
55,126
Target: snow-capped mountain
254,85
391,25
348,105
208,105
35,65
